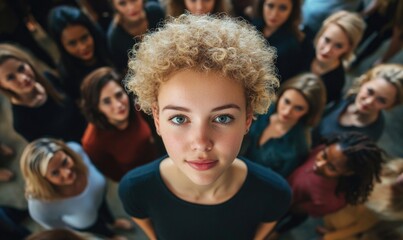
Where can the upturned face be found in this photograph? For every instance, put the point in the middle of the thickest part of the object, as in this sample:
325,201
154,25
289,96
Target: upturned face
292,106
114,103
375,95
78,42
331,162
17,76
200,7
276,12
131,10
61,170
201,125
332,44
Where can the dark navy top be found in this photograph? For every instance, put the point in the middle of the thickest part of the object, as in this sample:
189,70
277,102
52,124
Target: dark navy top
330,123
263,197
282,154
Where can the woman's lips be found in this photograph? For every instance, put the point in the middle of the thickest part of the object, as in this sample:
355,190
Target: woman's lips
202,165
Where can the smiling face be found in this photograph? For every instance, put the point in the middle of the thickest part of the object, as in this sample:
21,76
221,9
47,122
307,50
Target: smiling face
276,12
201,125
78,42
61,170
332,44
17,77
291,106
114,104
200,7
375,95
331,162
131,10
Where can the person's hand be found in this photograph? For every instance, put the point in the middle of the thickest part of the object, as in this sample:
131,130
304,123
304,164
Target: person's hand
5,150
5,175
321,230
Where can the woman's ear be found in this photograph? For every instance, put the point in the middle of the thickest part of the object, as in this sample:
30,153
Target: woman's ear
156,117
249,119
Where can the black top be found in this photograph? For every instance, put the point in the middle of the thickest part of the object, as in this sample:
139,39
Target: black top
264,197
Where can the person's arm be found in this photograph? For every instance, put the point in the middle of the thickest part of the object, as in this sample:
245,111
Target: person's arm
263,230
147,226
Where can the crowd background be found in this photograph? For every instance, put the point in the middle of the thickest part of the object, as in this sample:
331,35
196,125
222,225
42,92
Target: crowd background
29,27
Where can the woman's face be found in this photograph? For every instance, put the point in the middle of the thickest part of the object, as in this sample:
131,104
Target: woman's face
130,10
291,106
331,162
332,44
202,127
375,95
78,42
114,103
17,77
61,170
276,12
200,7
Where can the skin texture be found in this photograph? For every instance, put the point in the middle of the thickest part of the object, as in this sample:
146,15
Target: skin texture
199,7
276,13
17,77
130,10
375,95
114,104
78,42
331,45
201,127
291,106
331,162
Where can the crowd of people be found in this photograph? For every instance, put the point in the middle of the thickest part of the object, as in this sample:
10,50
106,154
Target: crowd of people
218,119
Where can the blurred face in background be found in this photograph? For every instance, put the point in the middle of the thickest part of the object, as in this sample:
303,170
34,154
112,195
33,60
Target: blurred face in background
276,12
291,106
17,77
78,42
200,7
114,104
130,10
332,44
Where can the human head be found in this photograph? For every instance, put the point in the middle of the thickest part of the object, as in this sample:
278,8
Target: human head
52,234
311,87
66,17
351,24
364,161
91,89
391,73
294,19
9,51
205,44
34,162
130,10
177,7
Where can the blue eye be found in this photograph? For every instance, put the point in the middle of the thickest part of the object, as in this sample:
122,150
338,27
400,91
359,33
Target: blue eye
225,119
178,120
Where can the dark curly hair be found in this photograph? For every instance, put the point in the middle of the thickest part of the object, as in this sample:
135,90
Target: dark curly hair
364,159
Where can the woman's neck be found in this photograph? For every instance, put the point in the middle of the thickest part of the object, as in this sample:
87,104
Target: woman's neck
221,190
268,31
37,97
320,67
357,118
135,28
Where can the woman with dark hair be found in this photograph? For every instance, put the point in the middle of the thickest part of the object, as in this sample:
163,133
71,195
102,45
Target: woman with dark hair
39,108
341,171
81,44
279,21
132,19
280,139
117,138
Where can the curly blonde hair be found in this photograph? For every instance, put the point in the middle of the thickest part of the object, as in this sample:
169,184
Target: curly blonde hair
204,43
351,24
392,73
177,7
